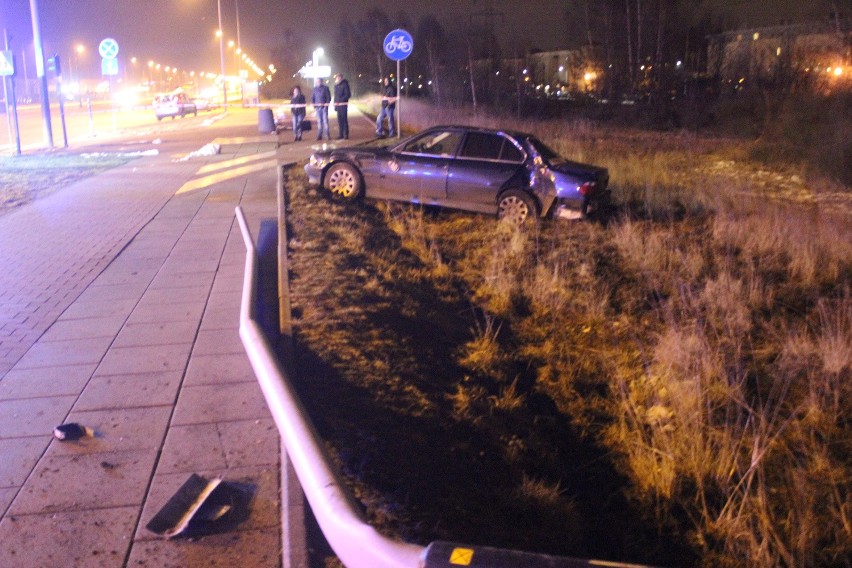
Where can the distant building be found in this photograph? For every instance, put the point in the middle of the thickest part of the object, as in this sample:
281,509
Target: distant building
567,70
552,73
814,55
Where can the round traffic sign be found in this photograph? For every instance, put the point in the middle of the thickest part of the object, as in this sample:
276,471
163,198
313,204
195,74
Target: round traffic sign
398,44
108,48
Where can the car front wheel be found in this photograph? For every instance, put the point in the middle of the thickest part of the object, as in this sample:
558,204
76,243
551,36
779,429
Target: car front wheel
343,180
516,207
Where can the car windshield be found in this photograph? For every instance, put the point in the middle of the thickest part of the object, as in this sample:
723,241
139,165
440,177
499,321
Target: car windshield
546,152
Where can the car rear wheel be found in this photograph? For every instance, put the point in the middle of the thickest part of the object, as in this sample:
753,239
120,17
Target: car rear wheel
516,207
343,180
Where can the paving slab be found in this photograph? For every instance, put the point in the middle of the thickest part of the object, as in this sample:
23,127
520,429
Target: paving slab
33,416
45,381
145,359
6,496
218,369
156,333
130,391
199,447
82,539
226,317
62,483
178,295
19,457
220,403
84,328
115,430
152,311
96,308
67,352
246,549
217,342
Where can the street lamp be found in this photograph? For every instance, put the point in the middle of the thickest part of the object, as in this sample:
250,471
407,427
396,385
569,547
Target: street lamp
221,35
79,50
318,52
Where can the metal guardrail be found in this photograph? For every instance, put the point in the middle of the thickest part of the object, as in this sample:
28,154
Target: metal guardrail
356,543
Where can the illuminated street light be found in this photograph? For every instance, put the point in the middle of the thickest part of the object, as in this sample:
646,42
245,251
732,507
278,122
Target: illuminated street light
222,56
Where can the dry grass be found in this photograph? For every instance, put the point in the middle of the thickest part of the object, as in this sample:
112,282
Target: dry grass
704,338
26,178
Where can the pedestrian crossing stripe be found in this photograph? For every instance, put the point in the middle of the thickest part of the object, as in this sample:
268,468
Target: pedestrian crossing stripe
461,557
7,66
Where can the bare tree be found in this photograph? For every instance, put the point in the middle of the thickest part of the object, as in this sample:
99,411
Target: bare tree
372,30
432,39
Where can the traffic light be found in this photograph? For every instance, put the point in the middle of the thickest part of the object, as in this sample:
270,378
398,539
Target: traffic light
54,65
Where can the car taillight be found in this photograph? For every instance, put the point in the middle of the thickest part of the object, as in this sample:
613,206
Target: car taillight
587,188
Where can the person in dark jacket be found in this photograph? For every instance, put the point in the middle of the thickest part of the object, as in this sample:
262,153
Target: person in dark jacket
342,94
388,105
297,108
321,98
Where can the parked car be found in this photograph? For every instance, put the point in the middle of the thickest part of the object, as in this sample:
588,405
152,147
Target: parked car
202,104
510,174
174,104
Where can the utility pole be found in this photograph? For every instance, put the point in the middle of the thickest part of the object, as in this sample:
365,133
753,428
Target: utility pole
11,100
222,56
39,60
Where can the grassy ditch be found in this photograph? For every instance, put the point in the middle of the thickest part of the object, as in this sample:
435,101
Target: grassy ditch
672,388
26,178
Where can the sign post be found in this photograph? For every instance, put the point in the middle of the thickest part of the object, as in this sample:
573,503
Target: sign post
108,49
40,73
397,46
55,65
7,69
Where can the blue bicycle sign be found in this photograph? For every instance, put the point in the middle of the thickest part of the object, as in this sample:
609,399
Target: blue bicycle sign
398,45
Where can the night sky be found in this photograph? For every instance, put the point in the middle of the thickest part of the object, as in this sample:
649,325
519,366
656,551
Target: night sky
181,32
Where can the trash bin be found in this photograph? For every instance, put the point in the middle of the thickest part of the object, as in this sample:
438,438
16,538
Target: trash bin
265,121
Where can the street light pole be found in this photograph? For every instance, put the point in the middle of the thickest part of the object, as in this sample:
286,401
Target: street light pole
222,56
39,60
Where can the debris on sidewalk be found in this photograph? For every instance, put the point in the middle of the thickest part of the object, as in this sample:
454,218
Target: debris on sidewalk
70,431
206,150
197,500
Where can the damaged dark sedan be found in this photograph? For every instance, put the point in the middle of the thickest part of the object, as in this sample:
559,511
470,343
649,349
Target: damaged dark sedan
509,174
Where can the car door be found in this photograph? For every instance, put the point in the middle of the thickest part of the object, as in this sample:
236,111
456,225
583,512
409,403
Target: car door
485,163
420,166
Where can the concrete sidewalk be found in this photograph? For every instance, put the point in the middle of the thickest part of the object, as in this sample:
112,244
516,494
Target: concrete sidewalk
119,303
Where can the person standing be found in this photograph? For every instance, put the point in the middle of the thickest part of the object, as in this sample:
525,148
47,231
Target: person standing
321,98
342,94
297,108
388,106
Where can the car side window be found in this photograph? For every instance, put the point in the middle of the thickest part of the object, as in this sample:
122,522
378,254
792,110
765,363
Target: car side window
482,146
442,143
511,153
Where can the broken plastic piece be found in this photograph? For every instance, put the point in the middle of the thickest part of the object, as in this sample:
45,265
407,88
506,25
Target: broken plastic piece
190,501
70,431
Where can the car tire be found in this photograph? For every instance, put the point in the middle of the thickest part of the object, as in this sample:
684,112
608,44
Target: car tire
517,207
343,180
